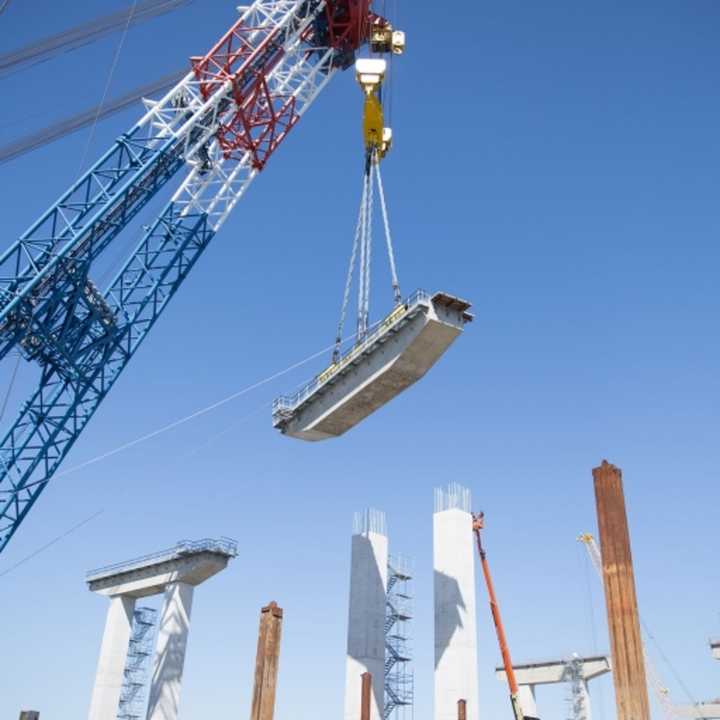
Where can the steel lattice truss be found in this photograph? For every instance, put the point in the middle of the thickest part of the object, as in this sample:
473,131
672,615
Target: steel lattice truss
220,124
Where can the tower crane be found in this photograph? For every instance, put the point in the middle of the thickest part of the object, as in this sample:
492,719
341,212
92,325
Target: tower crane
659,689
218,128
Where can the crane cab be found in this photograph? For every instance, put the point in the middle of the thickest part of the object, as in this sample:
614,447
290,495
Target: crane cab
395,354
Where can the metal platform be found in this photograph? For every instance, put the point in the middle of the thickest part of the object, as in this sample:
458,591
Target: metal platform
395,354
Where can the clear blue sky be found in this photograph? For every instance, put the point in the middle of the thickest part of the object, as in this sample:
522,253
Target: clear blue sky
556,163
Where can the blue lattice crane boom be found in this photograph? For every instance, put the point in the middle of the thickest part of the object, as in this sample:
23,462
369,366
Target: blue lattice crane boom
221,124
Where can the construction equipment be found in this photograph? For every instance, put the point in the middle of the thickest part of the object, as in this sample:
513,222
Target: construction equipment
396,352
221,123
478,525
660,690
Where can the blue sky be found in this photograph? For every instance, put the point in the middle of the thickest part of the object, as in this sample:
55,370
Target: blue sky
558,166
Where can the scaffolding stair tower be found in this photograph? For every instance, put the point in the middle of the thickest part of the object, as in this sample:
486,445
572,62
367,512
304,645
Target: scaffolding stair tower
398,654
133,694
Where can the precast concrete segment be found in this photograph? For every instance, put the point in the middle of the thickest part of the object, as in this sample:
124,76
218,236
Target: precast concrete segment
556,671
170,652
715,648
113,653
366,618
267,663
153,579
701,711
526,697
455,611
631,694
381,372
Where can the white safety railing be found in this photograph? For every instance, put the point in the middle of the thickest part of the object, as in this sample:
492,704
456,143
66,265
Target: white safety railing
286,404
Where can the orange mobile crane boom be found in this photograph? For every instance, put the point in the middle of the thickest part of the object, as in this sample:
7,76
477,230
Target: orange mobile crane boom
478,525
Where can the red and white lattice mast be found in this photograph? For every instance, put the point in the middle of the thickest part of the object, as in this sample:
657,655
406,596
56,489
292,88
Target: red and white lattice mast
220,125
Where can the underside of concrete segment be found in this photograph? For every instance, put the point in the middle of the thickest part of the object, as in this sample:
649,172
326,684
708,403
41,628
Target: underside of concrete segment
454,592
557,671
376,374
701,711
366,616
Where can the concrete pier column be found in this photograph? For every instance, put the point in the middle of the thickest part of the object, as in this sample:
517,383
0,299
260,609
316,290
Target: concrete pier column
113,652
526,696
170,652
366,617
454,591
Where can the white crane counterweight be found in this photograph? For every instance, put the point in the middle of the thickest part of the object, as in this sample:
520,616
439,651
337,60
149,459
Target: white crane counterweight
394,355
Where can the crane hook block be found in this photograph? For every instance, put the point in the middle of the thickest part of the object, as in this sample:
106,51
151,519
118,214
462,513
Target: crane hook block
370,74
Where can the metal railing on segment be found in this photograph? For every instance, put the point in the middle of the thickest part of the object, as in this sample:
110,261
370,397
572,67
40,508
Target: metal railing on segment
223,546
286,404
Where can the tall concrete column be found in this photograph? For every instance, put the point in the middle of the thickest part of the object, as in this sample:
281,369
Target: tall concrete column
618,578
29,715
526,696
170,652
113,652
366,617
454,590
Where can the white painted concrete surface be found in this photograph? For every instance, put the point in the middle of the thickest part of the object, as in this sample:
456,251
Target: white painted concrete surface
526,696
366,621
170,653
455,619
113,653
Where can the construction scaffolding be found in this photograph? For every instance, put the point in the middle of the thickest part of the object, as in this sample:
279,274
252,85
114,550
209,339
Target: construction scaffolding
577,699
133,694
398,652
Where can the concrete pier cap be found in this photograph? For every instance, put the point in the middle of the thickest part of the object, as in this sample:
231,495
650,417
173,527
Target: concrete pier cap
175,572
577,669
189,562
556,671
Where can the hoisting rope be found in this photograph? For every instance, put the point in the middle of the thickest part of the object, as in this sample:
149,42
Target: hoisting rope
388,238
366,259
362,247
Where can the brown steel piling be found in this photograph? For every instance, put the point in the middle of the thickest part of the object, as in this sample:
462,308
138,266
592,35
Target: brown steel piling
620,598
266,663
